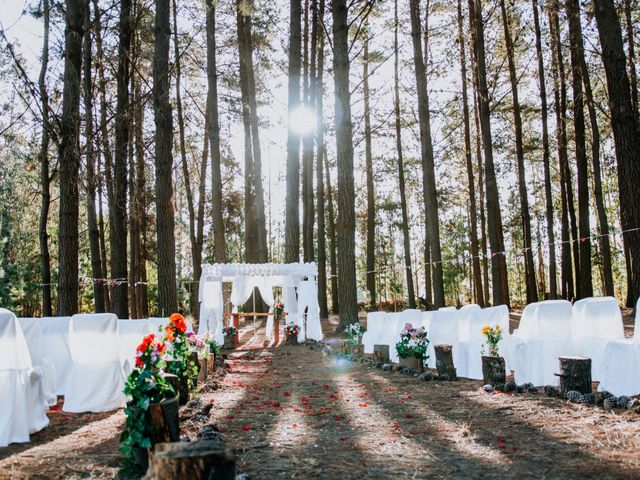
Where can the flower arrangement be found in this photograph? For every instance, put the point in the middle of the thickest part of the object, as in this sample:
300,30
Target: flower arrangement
354,333
278,310
229,331
145,385
493,336
212,345
177,338
292,330
413,342
197,344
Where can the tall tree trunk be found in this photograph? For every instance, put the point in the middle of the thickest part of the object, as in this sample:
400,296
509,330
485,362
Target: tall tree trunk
494,217
428,168
478,294
320,153
139,208
45,263
134,230
529,268
292,208
213,129
560,107
346,229
69,160
583,281
118,227
553,282
605,245
631,57
401,181
371,194
92,221
333,257
307,142
626,131
165,221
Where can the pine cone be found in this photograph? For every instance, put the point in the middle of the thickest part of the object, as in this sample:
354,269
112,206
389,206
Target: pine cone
610,402
574,396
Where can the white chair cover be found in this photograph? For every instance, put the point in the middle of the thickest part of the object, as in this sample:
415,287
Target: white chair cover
544,335
620,373
290,302
158,324
55,335
426,320
96,379
464,315
444,331
211,310
596,321
470,350
130,335
375,327
32,330
23,404
308,298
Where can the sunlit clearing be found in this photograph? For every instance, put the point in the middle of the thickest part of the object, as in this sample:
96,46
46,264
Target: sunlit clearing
302,120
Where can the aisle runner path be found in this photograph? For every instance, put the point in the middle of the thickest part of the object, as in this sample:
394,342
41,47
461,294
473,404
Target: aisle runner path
295,413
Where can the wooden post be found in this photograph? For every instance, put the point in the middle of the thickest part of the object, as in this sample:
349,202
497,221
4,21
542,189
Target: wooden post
276,330
211,363
381,353
493,370
575,374
204,370
444,362
236,323
163,421
200,460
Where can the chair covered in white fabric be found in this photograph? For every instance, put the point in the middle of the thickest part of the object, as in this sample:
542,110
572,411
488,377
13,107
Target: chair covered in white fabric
376,322
308,299
211,310
158,324
544,335
464,316
596,321
394,322
55,337
620,370
130,335
469,351
32,330
426,320
23,404
443,330
96,379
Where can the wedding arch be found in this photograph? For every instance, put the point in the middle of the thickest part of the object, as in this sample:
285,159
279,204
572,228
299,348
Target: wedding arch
298,282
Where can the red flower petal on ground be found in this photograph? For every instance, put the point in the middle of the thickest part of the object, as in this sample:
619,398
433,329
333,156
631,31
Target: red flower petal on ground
500,440
338,419
230,417
409,397
295,425
408,416
501,446
342,439
325,386
513,449
245,428
287,394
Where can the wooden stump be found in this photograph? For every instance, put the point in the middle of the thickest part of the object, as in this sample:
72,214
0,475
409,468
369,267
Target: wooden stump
493,370
412,362
236,323
192,361
355,350
229,342
381,353
180,384
276,330
203,372
444,362
163,421
575,374
200,460
292,340
211,363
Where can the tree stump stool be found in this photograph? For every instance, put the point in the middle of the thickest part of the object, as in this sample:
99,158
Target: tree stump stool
575,374
493,370
181,385
164,423
203,371
355,350
444,362
291,340
194,361
413,363
200,460
211,363
381,353
229,342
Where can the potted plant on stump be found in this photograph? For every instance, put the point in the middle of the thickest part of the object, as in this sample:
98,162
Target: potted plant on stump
291,332
412,347
152,406
278,315
493,367
214,351
354,333
180,365
229,334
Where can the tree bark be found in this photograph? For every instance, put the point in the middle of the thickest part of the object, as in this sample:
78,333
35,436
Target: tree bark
69,160
371,194
213,128
292,209
494,217
529,269
308,93
165,221
626,131
139,208
560,107
444,362
45,181
544,111
195,460
333,261
406,240
478,294
346,228
118,226
319,10
575,375
631,58
432,222
583,280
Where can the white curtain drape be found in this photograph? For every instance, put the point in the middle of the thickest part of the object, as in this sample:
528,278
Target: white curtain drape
211,310
308,298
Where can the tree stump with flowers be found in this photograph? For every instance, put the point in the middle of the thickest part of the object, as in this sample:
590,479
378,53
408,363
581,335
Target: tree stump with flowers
203,459
291,332
230,334
180,365
412,347
353,342
444,362
493,365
